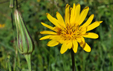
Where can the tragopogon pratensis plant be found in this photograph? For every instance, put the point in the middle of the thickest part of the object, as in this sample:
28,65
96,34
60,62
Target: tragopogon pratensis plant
70,31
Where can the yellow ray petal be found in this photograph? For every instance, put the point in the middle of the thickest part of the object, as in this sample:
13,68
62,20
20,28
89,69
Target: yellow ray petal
61,41
57,38
69,44
82,30
91,35
60,19
75,46
64,47
47,32
77,12
52,28
81,40
93,25
83,15
72,19
52,43
45,37
67,14
88,21
86,47
53,20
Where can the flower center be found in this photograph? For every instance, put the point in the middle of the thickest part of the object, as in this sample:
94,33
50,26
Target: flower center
70,32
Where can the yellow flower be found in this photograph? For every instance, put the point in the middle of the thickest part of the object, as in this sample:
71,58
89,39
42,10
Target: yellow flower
2,25
70,32
38,0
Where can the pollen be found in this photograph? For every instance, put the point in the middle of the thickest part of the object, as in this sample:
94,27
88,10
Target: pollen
70,32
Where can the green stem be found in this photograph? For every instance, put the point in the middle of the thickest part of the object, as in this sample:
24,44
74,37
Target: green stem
28,59
17,4
73,60
9,64
84,60
11,6
18,58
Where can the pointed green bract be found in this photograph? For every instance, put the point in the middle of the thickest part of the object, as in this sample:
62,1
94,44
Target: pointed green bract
24,42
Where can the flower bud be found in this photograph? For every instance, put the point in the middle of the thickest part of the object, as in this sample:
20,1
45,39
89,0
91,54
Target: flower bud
24,41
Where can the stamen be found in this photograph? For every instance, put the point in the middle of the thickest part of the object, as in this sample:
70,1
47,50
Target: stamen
70,32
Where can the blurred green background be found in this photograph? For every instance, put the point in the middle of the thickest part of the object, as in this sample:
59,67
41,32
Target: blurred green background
45,58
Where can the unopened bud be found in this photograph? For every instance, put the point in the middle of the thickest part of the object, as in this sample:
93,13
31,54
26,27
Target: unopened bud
24,41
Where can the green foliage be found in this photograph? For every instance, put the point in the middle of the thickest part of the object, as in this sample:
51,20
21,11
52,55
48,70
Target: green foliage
45,58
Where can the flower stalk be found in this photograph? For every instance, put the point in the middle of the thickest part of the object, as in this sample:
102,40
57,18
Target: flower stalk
73,60
28,59
24,41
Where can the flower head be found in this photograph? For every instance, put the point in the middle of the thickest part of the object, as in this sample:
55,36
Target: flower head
2,25
70,32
